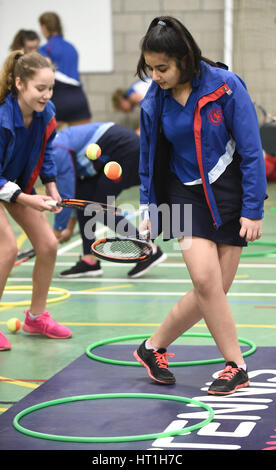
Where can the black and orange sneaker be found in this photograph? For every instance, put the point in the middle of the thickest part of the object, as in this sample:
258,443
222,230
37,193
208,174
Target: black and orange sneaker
229,380
156,363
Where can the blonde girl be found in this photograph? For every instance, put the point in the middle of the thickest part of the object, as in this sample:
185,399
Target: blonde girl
27,128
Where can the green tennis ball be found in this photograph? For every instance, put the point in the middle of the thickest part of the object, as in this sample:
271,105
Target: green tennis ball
93,151
13,325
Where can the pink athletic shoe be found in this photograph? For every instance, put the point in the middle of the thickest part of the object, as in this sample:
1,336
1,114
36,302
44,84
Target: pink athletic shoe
46,326
4,343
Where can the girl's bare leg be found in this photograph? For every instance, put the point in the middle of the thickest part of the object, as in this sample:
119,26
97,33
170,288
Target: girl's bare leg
212,269
36,226
8,249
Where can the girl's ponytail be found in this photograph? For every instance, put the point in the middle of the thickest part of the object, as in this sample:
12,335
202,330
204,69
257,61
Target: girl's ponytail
7,76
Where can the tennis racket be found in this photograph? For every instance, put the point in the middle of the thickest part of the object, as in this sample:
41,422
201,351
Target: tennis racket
82,204
122,250
24,256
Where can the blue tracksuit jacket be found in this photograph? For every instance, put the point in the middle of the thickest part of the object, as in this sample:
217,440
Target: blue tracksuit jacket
40,161
223,113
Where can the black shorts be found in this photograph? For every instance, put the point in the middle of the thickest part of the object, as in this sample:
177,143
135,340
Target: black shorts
70,102
228,195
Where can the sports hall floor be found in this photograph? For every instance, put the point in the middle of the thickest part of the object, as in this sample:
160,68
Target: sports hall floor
38,369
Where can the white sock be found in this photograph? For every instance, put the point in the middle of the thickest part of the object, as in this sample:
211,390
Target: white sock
148,345
242,366
34,316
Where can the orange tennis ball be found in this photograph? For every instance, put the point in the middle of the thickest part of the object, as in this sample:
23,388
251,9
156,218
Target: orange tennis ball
113,170
93,151
13,325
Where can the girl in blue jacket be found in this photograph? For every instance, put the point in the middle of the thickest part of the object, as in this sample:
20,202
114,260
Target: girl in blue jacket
71,103
27,128
201,159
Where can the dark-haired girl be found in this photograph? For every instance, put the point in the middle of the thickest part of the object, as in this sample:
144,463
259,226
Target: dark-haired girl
25,39
200,147
27,128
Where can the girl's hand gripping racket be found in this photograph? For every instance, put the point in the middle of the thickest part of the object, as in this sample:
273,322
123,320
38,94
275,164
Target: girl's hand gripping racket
122,250
82,204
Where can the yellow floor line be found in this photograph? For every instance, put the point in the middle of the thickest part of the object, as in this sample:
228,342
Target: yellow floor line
256,326
144,324
4,308
107,288
152,324
21,239
107,324
20,383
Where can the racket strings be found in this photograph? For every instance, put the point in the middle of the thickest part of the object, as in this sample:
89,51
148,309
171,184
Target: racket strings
123,249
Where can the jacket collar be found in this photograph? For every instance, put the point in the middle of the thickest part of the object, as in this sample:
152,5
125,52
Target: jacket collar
210,79
11,116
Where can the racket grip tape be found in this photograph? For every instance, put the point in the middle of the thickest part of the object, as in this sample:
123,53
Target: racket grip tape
51,202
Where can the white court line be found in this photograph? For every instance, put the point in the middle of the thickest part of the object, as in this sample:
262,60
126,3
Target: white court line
178,254
143,293
161,265
68,247
161,293
141,281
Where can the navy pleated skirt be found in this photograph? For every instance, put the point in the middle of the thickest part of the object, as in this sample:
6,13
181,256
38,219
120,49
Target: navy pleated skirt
197,220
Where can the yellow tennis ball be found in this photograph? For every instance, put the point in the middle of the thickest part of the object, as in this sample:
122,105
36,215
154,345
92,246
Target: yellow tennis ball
93,151
13,325
113,170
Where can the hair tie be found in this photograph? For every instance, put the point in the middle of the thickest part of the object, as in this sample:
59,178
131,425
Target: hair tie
162,23
18,55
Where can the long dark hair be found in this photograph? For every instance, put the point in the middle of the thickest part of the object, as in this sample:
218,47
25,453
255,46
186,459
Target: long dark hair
169,36
21,36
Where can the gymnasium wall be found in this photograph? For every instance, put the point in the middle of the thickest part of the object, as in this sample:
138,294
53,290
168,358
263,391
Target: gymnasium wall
254,46
255,49
131,19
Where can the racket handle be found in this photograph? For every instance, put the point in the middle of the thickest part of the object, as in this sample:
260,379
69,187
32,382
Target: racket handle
144,235
51,202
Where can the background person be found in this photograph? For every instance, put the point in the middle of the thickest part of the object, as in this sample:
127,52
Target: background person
25,39
71,103
81,178
127,100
